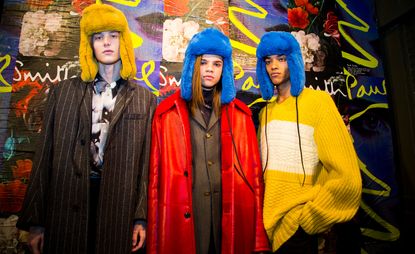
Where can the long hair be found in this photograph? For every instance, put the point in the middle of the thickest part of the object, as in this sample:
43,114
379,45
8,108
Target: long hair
197,100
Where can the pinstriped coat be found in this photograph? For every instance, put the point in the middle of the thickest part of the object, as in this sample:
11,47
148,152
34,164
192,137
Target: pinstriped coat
57,195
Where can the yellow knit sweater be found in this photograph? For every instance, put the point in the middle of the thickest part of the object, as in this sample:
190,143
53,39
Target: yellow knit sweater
329,190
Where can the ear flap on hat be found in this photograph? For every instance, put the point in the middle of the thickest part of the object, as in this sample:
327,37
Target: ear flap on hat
228,85
280,43
89,66
128,69
209,41
186,79
265,85
98,18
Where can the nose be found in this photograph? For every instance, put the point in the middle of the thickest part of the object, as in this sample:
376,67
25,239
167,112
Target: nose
274,64
209,67
107,40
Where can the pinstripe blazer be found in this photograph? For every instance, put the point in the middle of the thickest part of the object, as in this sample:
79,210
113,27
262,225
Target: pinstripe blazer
57,195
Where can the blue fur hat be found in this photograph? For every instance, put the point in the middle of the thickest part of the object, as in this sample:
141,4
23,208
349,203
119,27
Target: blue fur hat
280,43
209,41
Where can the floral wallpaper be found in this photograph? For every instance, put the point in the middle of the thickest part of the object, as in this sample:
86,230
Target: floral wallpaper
39,47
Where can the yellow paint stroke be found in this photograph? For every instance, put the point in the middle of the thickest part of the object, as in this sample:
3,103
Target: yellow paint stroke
136,39
261,13
391,233
131,3
146,70
7,88
369,60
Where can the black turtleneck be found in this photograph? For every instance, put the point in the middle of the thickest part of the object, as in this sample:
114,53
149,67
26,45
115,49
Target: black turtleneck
206,110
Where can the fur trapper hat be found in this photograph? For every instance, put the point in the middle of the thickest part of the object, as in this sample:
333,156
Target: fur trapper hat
209,41
99,18
280,43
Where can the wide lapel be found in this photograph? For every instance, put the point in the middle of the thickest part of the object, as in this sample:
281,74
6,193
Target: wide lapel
85,114
124,97
199,119
213,120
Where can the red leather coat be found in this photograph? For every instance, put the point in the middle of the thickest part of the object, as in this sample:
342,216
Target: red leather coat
170,221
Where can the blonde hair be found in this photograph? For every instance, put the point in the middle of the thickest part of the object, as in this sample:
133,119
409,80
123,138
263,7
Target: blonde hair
198,100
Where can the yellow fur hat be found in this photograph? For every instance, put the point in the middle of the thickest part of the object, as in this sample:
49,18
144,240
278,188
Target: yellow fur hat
99,18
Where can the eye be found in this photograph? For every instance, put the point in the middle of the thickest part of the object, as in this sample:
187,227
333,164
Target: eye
114,35
267,61
203,62
98,37
218,64
282,58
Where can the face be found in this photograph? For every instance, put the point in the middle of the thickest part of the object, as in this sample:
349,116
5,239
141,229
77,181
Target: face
277,69
211,70
106,47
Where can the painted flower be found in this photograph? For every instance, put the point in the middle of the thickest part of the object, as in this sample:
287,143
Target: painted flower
22,169
176,36
217,14
298,18
310,45
176,7
40,34
80,5
331,28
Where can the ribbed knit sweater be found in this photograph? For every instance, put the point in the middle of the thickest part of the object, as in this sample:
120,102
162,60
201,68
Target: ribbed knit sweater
329,190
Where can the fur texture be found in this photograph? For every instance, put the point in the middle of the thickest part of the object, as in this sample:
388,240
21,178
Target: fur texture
99,18
209,41
280,43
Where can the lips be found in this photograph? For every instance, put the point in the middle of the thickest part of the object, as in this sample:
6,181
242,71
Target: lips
108,52
208,77
151,25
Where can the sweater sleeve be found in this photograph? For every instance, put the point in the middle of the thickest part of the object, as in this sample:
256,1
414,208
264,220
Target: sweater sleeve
339,185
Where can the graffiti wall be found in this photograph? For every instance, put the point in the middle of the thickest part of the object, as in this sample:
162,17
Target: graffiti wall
39,47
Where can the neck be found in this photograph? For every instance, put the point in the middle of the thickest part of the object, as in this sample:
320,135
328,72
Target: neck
284,91
110,72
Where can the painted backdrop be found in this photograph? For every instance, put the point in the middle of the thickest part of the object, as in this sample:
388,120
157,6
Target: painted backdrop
339,41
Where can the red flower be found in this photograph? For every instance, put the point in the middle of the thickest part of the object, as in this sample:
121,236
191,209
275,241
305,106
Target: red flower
297,17
22,169
218,13
11,196
33,4
331,27
80,5
176,7
311,9
301,2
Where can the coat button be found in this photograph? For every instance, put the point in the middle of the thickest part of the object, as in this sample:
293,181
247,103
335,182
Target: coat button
82,142
208,135
187,215
210,163
207,193
186,174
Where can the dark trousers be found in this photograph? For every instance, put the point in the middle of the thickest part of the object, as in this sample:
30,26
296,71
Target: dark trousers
300,243
93,206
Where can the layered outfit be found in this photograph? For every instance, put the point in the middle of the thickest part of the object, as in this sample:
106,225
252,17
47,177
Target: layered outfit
171,218
58,191
312,177
205,178
88,136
